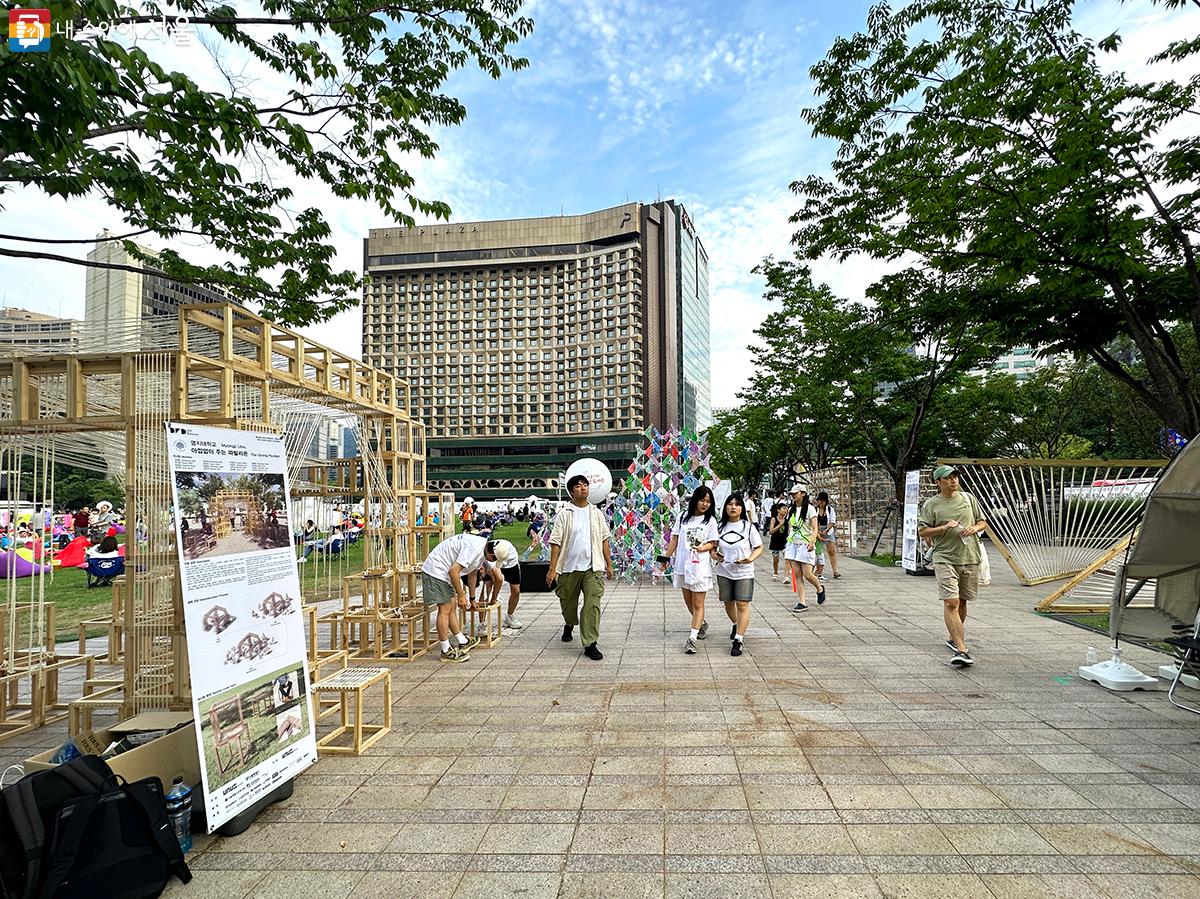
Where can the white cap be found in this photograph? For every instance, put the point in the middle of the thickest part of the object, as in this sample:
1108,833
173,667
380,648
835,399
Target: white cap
796,488
469,499
505,552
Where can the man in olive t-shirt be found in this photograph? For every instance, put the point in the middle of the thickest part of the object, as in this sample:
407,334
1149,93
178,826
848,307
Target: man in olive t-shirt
951,522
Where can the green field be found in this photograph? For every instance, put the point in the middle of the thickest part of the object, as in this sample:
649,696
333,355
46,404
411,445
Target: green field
74,602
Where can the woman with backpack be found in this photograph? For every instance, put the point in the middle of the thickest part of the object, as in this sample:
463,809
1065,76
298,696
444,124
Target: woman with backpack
692,541
801,546
738,545
778,532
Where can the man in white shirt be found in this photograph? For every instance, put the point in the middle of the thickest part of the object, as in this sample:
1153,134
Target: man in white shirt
579,551
442,585
508,569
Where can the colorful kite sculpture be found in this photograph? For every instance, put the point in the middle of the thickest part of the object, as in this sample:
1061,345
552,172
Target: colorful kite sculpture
660,480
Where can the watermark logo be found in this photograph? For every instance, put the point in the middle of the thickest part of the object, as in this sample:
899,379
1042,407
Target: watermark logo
29,31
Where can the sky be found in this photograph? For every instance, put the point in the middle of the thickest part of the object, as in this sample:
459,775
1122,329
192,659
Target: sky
623,100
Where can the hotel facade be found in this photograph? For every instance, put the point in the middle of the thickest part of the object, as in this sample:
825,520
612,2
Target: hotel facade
531,342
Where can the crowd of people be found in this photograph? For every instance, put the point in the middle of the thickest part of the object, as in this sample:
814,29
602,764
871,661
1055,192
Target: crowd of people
708,548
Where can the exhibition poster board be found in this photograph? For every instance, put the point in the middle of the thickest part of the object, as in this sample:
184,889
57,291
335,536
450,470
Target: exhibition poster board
242,616
912,508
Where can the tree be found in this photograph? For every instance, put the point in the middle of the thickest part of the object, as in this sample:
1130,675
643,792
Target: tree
744,443
78,489
847,376
364,86
983,138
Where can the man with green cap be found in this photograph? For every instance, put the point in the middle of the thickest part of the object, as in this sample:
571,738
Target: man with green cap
952,522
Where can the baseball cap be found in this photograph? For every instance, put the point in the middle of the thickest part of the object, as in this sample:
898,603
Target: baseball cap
944,471
505,552
796,488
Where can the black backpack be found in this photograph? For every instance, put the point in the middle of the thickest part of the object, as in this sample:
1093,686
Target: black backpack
78,830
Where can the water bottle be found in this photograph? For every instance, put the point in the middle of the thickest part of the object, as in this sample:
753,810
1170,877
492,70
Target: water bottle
1091,655
179,810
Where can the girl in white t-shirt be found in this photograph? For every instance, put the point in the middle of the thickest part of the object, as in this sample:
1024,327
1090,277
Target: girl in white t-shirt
738,545
692,542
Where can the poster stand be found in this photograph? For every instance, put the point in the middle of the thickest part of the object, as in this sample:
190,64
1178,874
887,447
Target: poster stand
246,646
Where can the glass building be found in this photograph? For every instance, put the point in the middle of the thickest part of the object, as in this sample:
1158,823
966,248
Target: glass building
695,399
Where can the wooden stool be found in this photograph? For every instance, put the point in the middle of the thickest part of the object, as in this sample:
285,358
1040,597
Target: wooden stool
356,681
323,707
489,629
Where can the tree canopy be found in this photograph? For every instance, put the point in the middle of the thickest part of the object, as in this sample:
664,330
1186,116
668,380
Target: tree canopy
360,87
985,139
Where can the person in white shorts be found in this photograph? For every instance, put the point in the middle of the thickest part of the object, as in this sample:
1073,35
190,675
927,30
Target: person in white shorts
800,552
692,542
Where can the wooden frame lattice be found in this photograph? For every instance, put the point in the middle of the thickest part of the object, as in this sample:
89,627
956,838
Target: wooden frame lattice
223,366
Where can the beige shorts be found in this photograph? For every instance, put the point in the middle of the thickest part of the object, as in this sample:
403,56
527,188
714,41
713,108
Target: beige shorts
956,581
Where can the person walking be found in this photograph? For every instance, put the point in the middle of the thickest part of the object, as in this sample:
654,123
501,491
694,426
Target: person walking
777,531
800,552
692,541
951,522
826,537
751,508
579,551
738,545
442,585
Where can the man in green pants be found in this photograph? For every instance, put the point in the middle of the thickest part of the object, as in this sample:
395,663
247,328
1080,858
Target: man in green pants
579,551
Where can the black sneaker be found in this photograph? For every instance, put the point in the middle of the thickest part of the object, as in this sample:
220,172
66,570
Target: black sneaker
703,630
951,644
733,632
821,597
567,629
736,648
962,659
593,652
799,607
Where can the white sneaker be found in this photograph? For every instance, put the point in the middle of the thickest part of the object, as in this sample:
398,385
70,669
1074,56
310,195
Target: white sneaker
512,623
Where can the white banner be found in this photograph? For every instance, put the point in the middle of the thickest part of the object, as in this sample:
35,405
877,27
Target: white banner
912,508
241,608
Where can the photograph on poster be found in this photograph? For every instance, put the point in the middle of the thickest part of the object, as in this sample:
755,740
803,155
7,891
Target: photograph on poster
225,514
242,727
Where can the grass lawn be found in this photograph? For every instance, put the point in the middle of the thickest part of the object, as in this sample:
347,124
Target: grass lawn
74,602
883,560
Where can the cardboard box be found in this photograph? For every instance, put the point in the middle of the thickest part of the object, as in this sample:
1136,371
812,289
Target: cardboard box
165,758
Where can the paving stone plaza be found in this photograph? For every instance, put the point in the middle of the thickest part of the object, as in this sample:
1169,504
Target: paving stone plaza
839,756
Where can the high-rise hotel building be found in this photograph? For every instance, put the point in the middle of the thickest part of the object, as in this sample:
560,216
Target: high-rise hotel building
532,342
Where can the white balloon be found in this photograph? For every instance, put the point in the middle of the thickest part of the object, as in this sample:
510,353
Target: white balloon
598,475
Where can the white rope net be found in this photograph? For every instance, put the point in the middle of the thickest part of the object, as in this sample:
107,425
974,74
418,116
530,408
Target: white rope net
1052,518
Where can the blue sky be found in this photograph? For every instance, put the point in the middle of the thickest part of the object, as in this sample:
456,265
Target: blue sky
622,100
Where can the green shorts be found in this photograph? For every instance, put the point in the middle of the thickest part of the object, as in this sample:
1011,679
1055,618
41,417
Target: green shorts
435,592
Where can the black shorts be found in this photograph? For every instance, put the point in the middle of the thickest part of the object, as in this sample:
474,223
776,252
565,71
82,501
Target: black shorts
512,574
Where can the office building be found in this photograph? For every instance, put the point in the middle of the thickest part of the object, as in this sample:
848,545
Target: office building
22,331
117,301
1021,362
531,342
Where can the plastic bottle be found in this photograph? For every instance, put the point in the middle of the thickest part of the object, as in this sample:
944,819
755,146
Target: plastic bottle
1092,658
179,810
